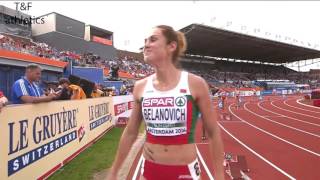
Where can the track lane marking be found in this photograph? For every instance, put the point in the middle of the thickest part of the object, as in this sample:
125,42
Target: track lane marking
277,137
257,154
259,105
287,126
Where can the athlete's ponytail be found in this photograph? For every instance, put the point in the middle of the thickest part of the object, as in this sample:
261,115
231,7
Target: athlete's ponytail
174,36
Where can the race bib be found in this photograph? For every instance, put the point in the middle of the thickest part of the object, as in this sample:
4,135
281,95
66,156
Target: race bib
165,116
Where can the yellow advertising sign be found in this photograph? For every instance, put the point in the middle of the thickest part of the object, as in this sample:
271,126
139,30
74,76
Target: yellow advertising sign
38,139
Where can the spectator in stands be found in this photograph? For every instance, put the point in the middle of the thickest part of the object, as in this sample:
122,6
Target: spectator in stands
96,91
123,90
51,88
162,50
3,100
66,90
114,72
129,90
116,91
63,89
26,89
108,92
112,91
77,92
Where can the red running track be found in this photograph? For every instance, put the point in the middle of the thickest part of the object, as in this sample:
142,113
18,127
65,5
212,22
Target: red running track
283,117
272,151
294,103
251,113
291,112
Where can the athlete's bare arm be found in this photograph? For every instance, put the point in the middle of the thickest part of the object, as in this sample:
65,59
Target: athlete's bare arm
200,91
131,131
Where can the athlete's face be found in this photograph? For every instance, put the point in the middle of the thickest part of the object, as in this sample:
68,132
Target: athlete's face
156,48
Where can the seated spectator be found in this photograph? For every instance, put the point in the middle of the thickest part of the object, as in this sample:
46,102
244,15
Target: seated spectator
96,92
3,100
51,88
123,90
26,90
108,92
63,89
77,92
67,91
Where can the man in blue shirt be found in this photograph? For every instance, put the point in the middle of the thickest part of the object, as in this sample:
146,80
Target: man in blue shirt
25,90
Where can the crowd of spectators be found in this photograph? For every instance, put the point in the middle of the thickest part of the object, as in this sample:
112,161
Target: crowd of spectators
128,64
27,89
66,90
219,74
27,46
237,75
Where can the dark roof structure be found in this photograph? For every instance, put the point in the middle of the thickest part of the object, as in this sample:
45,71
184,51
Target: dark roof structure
209,41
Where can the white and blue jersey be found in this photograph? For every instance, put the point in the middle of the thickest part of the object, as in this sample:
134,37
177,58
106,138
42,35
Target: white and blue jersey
23,87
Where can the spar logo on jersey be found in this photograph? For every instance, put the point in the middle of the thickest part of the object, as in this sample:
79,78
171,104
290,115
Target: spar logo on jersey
158,102
180,101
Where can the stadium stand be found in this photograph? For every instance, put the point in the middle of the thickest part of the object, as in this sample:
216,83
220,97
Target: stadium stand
130,66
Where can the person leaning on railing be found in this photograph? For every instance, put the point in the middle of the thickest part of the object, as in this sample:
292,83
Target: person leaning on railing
67,91
63,91
26,89
96,92
3,100
77,92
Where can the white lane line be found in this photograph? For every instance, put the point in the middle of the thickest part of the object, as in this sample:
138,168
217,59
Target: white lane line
315,135
298,101
257,154
277,137
293,111
231,121
285,102
259,105
136,171
272,116
204,164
